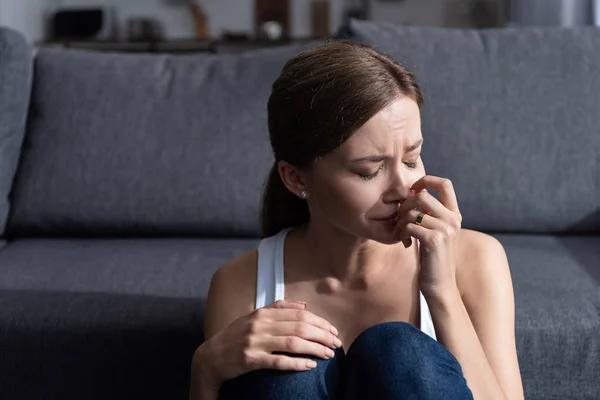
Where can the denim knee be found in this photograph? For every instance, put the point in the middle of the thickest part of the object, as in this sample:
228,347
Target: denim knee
399,341
267,384
395,359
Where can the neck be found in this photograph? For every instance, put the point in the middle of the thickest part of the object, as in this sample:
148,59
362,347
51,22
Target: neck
343,260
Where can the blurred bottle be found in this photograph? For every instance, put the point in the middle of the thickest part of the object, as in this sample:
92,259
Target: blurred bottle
320,10
200,20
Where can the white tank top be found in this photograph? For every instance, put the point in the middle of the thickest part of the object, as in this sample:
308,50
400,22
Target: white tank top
270,284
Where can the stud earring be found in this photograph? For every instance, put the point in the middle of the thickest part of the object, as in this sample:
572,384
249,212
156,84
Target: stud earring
304,194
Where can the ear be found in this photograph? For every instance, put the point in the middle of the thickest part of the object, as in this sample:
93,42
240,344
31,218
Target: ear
292,177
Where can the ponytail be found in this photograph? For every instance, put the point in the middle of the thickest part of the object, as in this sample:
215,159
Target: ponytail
280,208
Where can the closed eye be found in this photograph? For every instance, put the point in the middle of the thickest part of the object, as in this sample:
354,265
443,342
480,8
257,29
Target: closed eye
368,177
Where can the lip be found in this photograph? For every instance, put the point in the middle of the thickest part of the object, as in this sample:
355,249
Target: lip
388,218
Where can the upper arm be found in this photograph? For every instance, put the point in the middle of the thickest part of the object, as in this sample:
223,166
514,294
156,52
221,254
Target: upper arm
231,293
489,299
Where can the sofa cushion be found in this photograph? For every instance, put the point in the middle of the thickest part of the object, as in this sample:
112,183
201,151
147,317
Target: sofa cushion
96,319
511,117
75,314
556,280
146,145
15,85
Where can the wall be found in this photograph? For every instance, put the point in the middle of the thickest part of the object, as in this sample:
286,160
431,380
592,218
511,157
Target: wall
450,13
412,12
552,12
26,16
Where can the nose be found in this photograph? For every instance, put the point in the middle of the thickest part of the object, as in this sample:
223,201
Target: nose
397,193
398,186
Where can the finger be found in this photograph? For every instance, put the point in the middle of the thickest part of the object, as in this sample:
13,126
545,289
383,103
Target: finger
297,345
306,331
401,236
428,221
300,305
399,232
443,186
404,228
304,316
417,231
427,203
285,363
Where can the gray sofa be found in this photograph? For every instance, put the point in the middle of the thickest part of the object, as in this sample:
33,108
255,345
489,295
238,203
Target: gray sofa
127,180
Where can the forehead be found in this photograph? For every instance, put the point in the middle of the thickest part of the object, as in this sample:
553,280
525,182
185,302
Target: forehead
391,129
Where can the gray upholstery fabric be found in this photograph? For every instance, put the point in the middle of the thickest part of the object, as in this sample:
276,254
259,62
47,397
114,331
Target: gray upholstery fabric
556,280
15,87
152,266
511,117
131,312
146,144
104,319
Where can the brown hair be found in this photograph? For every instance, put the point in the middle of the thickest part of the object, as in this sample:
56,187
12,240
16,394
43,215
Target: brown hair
323,95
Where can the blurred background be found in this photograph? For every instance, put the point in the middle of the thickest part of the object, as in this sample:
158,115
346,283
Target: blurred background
196,25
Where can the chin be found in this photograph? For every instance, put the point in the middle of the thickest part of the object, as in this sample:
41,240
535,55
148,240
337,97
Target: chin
390,240
383,234
371,230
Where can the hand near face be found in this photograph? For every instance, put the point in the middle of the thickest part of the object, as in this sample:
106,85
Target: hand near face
438,232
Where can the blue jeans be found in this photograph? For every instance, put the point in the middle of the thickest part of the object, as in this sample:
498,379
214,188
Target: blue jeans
392,360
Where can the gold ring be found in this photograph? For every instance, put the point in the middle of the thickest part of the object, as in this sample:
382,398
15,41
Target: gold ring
420,218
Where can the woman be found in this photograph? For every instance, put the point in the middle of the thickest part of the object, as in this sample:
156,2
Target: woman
353,314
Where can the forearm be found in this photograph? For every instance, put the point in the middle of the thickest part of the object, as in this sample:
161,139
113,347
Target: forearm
455,331
202,386
203,391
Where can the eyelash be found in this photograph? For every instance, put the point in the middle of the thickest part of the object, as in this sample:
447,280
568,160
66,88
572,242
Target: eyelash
373,175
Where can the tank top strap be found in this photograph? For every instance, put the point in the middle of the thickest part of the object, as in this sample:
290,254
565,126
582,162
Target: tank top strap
269,271
426,321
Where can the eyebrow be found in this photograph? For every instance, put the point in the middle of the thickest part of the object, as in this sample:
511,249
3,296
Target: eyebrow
381,157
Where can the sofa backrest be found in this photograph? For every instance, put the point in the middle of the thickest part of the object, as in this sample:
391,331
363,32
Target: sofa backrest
134,145
146,145
15,86
511,116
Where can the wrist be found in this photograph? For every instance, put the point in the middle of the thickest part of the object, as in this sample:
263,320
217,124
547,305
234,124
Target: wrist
202,372
444,299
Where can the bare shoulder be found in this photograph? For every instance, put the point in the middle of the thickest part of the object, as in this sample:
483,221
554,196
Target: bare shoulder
473,248
474,240
485,285
232,293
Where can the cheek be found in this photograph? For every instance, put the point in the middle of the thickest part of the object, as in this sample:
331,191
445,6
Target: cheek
349,196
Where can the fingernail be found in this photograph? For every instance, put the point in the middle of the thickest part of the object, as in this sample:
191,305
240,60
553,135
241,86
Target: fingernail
333,330
329,352
337,342
311,364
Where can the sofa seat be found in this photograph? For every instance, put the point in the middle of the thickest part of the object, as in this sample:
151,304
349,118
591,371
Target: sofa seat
104,319
556,282
120,318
